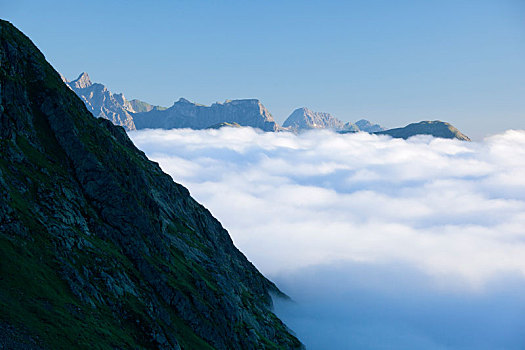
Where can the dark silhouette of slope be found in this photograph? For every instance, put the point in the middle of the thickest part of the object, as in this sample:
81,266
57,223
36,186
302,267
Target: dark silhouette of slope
98,247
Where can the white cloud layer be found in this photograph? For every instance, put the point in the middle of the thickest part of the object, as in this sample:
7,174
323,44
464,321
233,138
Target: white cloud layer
384,243
450,208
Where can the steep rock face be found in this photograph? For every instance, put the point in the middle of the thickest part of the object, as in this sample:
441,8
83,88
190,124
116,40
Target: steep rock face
104,104
305,119
99,248
435,128
185,114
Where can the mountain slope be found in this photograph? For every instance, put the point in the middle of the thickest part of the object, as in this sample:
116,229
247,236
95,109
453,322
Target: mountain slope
435,128
99,248
185,114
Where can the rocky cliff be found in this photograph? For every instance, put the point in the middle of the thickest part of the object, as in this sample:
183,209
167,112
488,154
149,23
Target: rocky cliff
99,248
185,114
435,128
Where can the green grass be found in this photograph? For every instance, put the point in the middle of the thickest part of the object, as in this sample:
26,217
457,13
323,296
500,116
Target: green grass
186,336
33,295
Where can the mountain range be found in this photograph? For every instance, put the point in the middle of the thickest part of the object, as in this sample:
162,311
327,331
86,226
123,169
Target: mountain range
185,114
303,119
136,114
99,249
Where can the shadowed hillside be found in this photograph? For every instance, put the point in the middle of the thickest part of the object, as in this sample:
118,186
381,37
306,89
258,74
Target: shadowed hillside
99,248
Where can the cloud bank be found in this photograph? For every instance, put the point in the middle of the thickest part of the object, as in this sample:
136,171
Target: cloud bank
346,211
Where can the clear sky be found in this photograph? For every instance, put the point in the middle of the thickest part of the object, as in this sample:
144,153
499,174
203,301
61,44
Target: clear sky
393,62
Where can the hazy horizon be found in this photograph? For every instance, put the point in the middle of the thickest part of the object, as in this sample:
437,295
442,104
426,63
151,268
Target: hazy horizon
391,63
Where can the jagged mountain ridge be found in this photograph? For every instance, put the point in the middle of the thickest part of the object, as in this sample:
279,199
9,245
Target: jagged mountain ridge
186,114
303,119
100,248
136,114
103,103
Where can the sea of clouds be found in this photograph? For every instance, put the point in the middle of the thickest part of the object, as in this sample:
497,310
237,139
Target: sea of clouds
382,243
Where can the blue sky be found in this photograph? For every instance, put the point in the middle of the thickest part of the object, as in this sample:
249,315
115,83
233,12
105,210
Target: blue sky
392,62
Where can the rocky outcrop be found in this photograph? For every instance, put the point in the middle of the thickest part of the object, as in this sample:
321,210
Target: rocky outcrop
99,248
185,114
305,119
435,128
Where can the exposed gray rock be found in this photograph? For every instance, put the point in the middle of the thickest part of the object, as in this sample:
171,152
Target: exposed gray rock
185,114
305,119
136,114
82,82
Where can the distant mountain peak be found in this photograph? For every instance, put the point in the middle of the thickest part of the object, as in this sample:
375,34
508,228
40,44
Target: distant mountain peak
363,122
183,100
436,128
366,125
305,110
83,81
303,119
